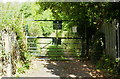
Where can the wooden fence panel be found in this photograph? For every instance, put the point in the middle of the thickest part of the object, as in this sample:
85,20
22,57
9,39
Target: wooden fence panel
110,38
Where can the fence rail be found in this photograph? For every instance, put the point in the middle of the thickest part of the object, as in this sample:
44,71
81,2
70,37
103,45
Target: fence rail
39,45
29,37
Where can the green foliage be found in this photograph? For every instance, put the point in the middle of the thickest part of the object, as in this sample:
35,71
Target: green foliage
25,63
113,11
90,15
97,47
102,61
28,56
26,10
40,28
107,64
23,68
13,18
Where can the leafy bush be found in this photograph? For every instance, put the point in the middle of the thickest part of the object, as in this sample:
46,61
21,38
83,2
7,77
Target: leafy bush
22,66
102,61
108,64
97,47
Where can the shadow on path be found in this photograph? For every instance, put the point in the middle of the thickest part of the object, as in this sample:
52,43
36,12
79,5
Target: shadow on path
73,68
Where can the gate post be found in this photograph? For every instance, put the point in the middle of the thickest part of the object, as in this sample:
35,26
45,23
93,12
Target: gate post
7,59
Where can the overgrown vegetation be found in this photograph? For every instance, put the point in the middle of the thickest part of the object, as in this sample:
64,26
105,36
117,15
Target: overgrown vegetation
90,17
102,60
108,65
98,46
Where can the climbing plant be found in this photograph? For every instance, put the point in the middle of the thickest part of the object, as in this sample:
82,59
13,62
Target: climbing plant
13,19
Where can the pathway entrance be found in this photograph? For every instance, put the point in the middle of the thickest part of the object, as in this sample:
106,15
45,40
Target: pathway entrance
58,69
63,45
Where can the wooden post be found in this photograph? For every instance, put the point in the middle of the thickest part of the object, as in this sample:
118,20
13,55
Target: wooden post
117,42
1,63
7,51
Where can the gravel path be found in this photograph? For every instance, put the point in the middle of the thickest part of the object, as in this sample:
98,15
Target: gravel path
73,68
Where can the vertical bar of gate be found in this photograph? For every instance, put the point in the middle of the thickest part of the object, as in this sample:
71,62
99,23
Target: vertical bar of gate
118,44
85,41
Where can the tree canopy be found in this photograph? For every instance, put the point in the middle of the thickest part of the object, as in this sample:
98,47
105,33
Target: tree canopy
89,14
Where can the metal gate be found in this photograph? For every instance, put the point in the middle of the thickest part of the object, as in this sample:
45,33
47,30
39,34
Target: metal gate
54,46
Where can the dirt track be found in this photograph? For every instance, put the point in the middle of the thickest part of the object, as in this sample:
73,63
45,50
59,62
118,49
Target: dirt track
73,68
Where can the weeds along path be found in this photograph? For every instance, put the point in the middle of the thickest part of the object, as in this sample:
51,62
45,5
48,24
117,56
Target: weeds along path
73,68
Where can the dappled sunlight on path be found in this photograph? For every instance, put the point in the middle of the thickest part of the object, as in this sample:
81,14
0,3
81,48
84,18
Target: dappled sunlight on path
73,68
